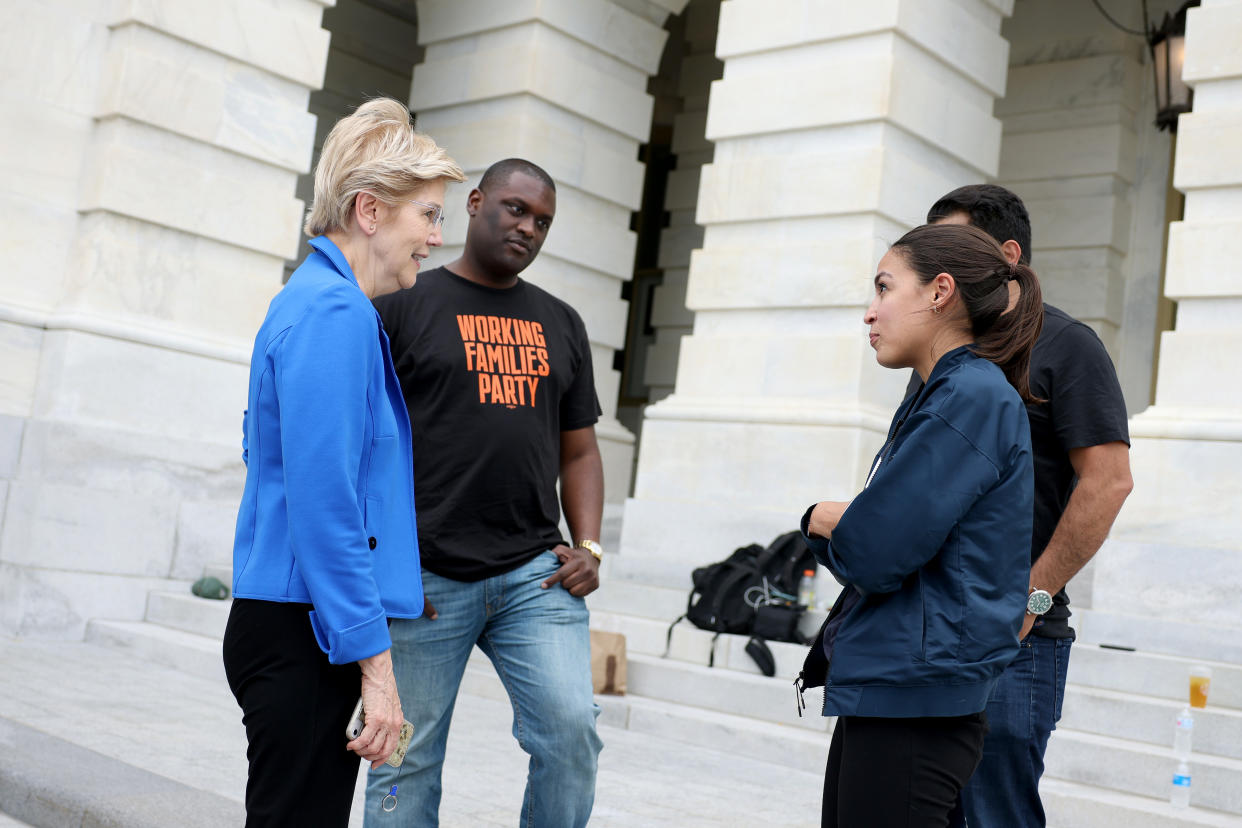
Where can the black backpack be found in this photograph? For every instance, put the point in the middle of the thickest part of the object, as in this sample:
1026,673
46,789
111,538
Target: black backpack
754,582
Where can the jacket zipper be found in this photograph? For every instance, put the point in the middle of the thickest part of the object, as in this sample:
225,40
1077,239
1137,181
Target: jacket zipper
800,682
892,435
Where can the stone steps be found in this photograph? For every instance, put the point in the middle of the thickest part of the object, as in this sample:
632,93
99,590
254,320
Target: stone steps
1142,769
780,744
1109,763
1153,674
1074,805
1090,708
689,644
638,599
757,697
185,631
186,652
1146,719
793,746
188,613
1121,741
223,572
1092,781
1151,633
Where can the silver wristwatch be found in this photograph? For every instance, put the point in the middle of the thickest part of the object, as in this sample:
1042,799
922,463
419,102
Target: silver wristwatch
1038,602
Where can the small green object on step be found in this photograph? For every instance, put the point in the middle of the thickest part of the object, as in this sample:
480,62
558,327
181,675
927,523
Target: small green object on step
210,587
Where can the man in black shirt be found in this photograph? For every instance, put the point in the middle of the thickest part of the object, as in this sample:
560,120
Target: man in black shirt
1080,441
496,374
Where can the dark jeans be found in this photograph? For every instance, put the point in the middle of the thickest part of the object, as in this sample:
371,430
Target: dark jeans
295,706
899,773
1023,710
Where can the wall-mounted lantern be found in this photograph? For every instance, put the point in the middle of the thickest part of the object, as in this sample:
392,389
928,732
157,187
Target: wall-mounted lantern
1168,55
1167,43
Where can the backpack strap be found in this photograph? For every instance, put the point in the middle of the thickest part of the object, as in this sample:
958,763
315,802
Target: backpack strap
668,639
711,659
761,654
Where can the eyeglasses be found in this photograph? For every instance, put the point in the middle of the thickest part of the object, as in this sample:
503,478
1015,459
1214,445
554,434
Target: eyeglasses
437,216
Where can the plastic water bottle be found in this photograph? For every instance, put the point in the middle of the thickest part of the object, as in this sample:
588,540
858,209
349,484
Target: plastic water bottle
1182,733
1180,798
806,589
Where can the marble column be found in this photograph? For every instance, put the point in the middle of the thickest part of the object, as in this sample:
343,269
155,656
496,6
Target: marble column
835,126
563,84
1170,576
151,150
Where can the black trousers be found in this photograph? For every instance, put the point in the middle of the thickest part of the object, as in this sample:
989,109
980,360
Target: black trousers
295,706
899,773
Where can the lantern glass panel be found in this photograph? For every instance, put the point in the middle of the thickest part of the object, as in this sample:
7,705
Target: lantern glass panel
1179,92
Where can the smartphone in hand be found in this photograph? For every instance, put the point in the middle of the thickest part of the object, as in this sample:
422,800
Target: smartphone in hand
358,720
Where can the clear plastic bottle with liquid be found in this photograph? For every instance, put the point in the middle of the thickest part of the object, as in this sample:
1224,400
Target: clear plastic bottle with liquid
806,589
1180,796
1183,733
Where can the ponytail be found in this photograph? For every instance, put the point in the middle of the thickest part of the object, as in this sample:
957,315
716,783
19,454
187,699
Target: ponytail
1008,341
982,275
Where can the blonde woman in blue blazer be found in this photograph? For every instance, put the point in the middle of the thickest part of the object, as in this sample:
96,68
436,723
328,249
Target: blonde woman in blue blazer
326,551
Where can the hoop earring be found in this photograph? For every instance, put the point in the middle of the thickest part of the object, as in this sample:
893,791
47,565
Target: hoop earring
936,309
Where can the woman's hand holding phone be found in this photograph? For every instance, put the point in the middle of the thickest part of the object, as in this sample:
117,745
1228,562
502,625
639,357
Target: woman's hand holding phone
382,730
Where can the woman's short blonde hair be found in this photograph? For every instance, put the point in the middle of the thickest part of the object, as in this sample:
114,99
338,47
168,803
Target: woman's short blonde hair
375,149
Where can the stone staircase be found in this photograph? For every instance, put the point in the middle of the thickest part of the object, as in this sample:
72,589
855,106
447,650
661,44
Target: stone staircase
1109,764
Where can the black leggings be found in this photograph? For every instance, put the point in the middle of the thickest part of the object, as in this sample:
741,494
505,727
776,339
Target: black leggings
295,705
899,773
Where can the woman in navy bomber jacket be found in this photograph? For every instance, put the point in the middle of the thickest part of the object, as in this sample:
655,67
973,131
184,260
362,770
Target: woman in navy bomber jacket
934,553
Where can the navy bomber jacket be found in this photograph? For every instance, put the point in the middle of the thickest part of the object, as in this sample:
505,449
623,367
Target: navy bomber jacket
937,547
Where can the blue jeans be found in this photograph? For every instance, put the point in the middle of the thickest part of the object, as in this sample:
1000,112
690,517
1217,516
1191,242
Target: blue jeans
1023,710
539,643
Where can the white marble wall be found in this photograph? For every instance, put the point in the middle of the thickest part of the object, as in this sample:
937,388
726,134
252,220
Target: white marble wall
150,155
835,126
562,84
1174,555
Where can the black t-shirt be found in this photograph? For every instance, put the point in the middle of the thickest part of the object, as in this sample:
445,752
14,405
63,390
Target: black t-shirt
1071,369
491,377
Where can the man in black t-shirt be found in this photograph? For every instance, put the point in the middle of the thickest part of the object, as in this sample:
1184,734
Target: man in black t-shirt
1080,441
497,378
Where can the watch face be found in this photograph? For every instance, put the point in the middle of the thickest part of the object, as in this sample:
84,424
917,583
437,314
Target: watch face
1039,602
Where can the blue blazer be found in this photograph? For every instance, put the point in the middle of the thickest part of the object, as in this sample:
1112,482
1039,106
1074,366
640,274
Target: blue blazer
327,515
937,551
